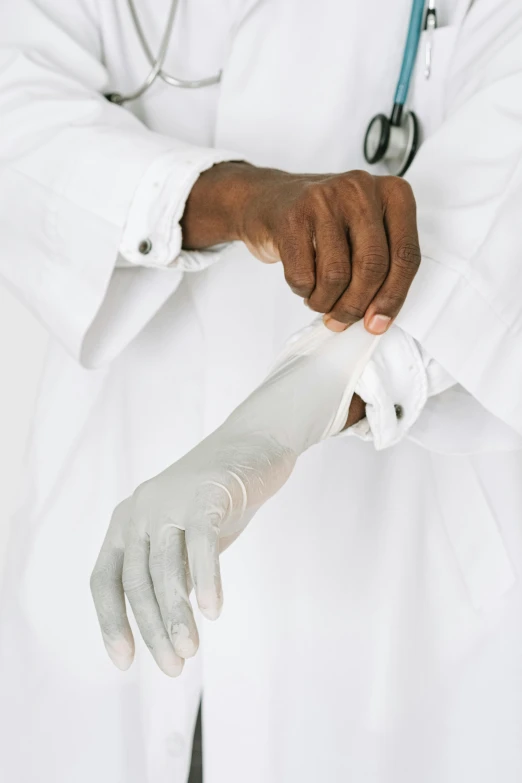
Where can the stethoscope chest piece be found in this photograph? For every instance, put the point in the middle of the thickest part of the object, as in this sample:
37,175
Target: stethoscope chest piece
394,142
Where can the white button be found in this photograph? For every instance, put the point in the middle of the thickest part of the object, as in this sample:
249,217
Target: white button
175,743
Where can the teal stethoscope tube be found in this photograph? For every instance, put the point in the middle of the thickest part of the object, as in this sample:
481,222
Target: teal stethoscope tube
410,52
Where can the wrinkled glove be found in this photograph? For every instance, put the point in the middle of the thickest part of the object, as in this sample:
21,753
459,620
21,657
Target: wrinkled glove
169,534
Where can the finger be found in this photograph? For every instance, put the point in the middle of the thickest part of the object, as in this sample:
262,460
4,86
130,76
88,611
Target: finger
332,262
370,261
400,223
202,539
107,592
137,583
168,568
109,600
297,253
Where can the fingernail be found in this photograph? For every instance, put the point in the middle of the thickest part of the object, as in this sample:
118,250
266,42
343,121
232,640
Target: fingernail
185,648
210,605
120,652
333,325
379,323
172,665
184,645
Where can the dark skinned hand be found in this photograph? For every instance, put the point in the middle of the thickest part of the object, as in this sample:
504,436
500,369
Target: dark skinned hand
348,242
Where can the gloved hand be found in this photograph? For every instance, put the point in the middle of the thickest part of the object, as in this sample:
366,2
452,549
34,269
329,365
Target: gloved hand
170,533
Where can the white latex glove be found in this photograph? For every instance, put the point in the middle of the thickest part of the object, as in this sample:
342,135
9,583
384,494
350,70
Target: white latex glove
172,529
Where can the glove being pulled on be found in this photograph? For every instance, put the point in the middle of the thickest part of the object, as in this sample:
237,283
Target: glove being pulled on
168,535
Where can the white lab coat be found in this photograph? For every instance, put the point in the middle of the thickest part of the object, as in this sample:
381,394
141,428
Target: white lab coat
371,629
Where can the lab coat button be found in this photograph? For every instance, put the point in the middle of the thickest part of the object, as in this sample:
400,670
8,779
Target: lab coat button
399,411
175,744
145,246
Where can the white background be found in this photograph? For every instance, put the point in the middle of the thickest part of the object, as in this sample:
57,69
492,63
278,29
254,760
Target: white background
22,351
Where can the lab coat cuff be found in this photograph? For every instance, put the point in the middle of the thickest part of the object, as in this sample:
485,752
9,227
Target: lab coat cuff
152,234
394,386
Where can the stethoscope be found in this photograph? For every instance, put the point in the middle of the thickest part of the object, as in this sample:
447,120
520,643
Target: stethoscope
395,140
158,62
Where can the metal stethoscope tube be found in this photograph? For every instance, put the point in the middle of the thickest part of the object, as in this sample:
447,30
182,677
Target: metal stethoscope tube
158,62
393,140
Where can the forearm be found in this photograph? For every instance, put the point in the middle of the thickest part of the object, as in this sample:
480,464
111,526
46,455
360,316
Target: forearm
357,411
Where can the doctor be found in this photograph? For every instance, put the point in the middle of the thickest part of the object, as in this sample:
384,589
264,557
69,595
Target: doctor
371,626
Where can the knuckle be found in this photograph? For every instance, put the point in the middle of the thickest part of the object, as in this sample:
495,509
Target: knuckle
348,313
374,262
212,502
360,183
315,196
399,190
408,255
317,305
135,581
403,186
396,184
360,178
322,300
301,281
390,304
320,200
334,274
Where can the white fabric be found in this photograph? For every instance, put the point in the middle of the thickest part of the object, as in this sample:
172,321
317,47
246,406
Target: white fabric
472,531
157,207
397,384
81,159
469,217
395,387
350,646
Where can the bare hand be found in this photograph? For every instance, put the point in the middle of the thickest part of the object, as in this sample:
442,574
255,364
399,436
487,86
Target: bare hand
348,242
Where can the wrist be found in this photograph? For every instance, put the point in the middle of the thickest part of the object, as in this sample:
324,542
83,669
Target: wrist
309,394
215,208
357,411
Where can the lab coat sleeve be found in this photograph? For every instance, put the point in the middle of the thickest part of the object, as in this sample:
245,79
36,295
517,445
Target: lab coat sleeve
464,307
395,385
409,394
73,168
152,232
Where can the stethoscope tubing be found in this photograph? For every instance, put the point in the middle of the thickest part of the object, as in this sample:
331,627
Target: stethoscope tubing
167,77
400,127
157,62
156,65
410,52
